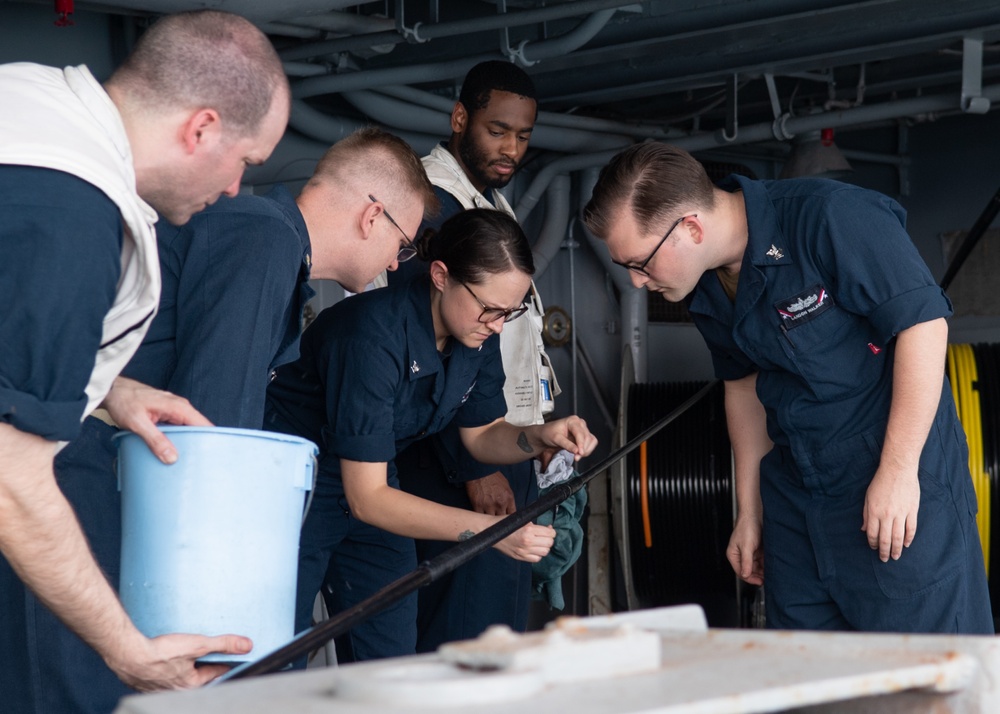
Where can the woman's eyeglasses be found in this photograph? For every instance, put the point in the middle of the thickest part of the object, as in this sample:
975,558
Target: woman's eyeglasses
492,314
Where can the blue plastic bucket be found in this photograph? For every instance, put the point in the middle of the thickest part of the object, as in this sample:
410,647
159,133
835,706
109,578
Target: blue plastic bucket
210,543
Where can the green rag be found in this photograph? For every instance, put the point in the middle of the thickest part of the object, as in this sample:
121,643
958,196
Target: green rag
546,574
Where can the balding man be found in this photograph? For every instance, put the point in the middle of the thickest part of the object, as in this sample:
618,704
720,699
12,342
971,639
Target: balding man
83,171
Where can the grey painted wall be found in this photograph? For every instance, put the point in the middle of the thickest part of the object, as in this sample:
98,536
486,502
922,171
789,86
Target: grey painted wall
28,34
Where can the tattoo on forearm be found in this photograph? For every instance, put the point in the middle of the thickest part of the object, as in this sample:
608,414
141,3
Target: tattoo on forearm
465,535
522,441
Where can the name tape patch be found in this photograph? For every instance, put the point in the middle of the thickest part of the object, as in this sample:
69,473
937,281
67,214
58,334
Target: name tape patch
807,305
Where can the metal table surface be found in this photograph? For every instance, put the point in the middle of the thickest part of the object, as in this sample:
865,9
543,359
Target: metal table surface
701,671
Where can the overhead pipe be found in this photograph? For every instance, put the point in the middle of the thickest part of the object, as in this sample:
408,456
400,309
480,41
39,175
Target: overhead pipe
554,229
330,129
634,307
259,12
393,112
319,25
347,23
320,125
422,98
423,32
706,29
529,53
285,29
414,74
759,132
293,159
303,69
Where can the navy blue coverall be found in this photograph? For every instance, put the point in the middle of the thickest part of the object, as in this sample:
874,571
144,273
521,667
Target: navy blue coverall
491,588
234,286
46,356
369,382
829,278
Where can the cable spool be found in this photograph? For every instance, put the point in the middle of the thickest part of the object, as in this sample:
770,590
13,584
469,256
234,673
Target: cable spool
679,503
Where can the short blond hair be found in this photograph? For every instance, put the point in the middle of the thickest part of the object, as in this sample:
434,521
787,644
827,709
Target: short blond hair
381,160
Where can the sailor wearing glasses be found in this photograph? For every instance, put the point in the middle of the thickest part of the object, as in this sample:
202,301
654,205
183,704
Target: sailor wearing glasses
383,369
856,507
491,127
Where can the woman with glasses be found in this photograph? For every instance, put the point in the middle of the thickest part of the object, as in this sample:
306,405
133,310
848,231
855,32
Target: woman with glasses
383,369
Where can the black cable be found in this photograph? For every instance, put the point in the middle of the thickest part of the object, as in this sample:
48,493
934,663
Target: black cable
430,570
977,231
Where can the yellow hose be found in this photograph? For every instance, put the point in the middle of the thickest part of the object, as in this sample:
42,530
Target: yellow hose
982,482
963,373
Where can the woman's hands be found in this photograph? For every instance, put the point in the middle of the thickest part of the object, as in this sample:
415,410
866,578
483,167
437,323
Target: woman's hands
530,543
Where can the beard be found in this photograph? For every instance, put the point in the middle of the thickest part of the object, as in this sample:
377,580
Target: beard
477,163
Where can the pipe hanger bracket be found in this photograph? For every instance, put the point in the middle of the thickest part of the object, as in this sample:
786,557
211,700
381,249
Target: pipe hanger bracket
972,77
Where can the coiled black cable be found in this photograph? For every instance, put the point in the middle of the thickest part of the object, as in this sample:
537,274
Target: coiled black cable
689,501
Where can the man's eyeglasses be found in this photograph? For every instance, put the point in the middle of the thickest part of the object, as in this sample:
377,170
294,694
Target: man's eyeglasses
492,314
408,250
641,267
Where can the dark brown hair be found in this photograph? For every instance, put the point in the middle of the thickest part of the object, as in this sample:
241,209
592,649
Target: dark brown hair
653,181
477,243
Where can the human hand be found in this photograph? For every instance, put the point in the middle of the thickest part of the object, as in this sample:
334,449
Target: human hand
529,543
139,407
491,495
168,661
570,433
545,457
889,518
744,552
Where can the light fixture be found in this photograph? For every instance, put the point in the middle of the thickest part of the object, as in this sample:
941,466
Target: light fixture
814,154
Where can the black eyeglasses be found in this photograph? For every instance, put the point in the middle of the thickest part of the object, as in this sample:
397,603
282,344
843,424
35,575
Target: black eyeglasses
641,268
408,250
492,314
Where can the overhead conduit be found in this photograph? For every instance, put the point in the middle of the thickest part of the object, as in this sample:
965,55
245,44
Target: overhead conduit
424,32
434,121
554,229
531,51
331,129
396,113
634,304
756,133
550,119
